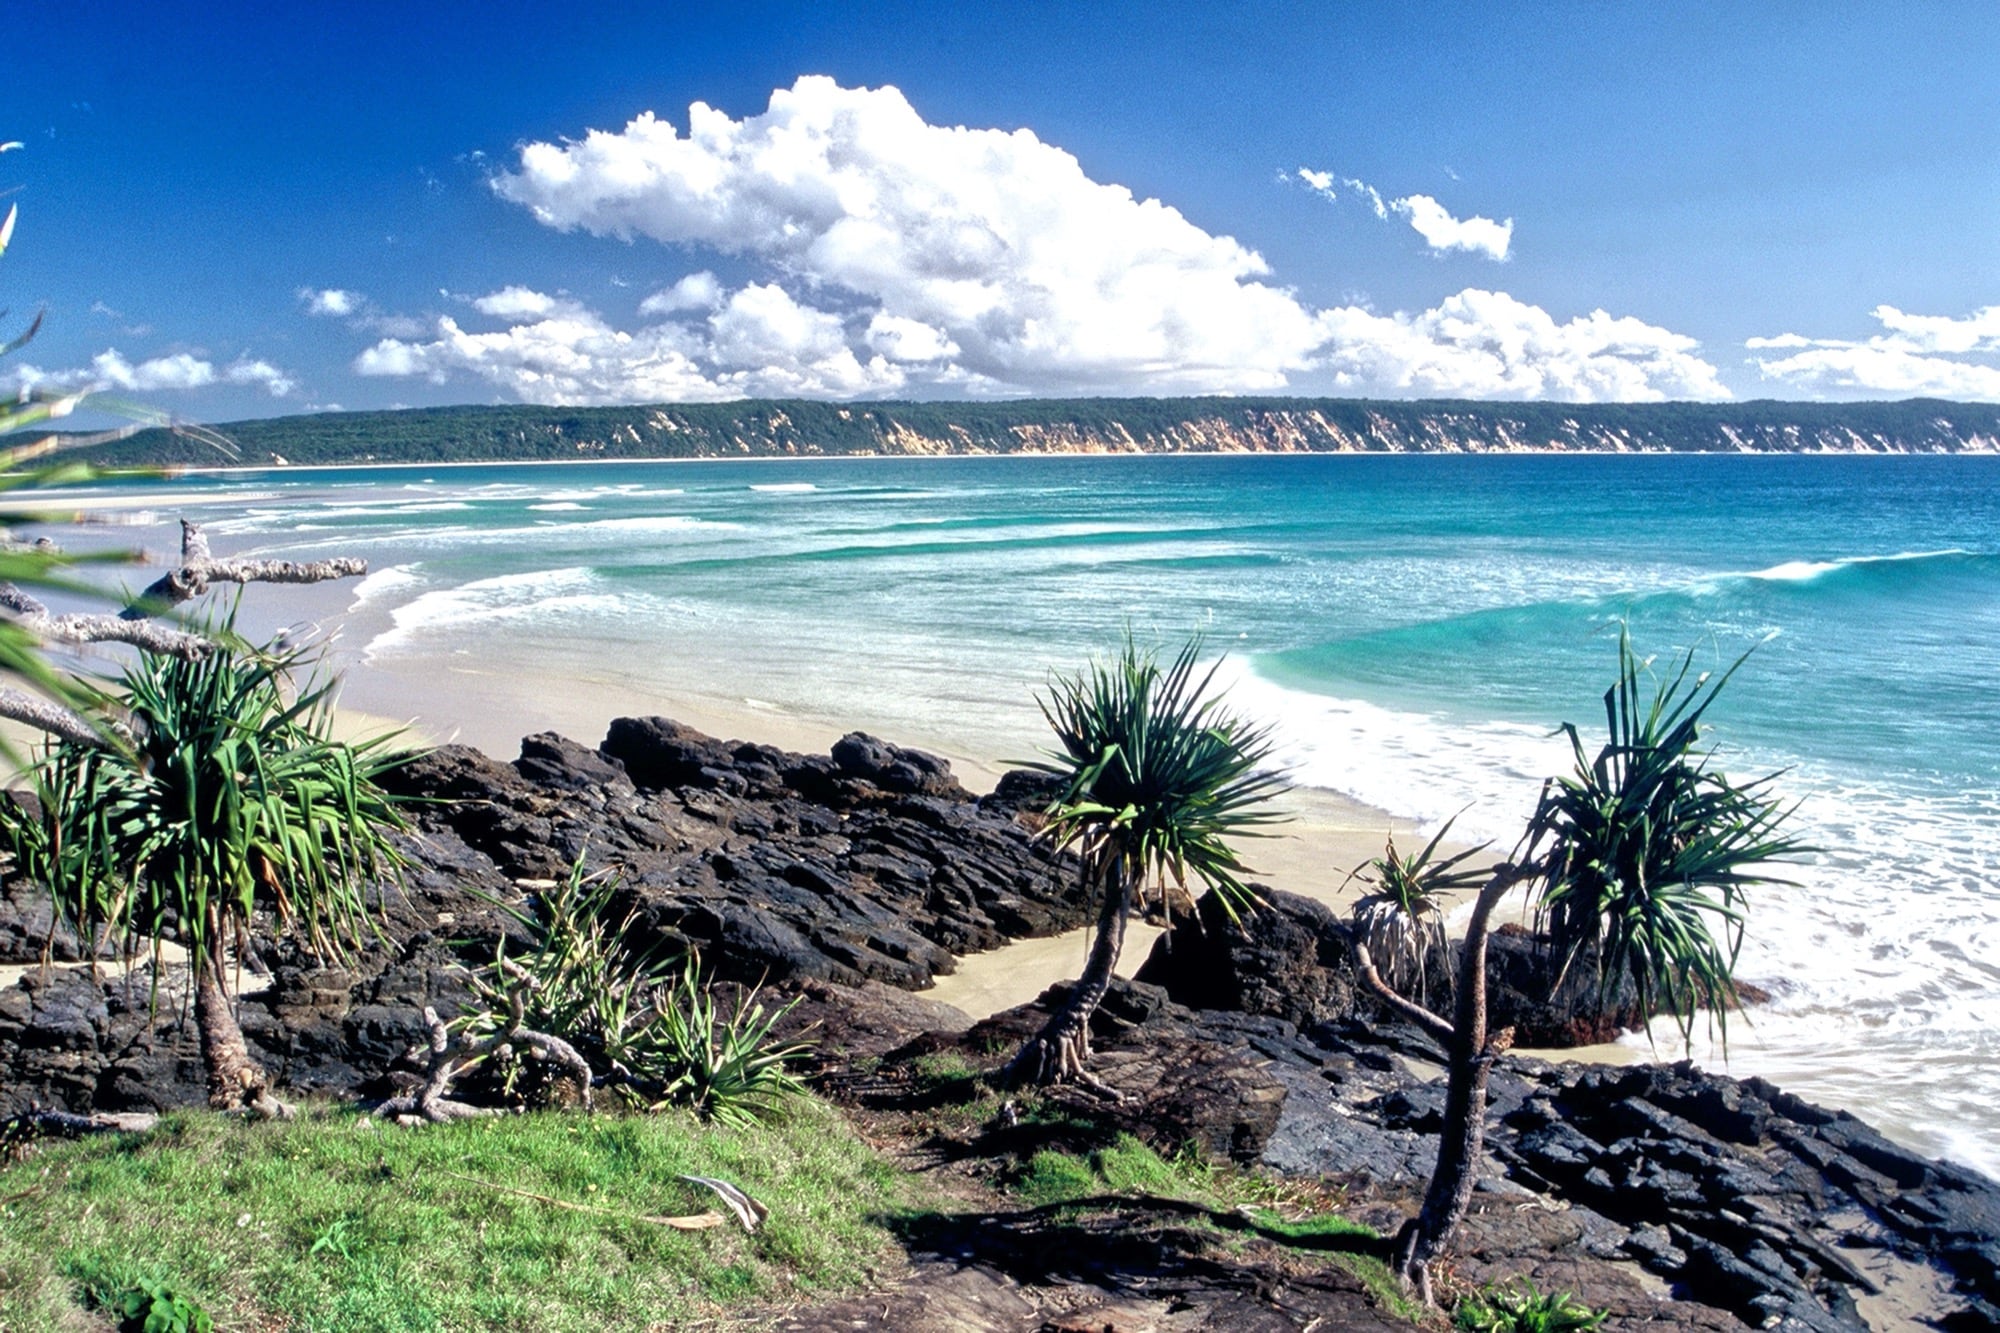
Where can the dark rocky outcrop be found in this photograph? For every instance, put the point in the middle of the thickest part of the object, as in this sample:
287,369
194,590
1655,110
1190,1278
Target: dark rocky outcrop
868,865
1671,1196
1666,1194
871,863
1295,963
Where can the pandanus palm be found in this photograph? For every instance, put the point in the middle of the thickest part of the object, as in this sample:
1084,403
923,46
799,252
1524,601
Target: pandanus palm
1642,852
1402,921
1653,849
1156,777
232,799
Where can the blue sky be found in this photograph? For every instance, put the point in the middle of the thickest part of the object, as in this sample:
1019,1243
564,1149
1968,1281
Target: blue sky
227,211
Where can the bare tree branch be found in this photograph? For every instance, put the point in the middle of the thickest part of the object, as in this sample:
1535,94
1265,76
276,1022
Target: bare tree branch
133,626
1410,1009
39,713
198,570
433,1102
78,628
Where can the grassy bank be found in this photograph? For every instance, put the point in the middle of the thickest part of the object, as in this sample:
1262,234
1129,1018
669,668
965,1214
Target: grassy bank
1238,1204
332,1224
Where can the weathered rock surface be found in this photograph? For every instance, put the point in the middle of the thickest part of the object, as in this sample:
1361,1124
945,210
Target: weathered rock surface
869,864
1671,1196
1668,1195
1297,964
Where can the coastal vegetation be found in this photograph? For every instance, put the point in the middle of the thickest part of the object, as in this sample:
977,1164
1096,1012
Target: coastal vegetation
804,428
231,798
1641,858
1653,850
1522,1307
1401,919
339,1222
1154,777
592,1001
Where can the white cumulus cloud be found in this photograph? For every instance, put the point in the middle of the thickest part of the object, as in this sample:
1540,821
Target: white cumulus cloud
112,371
760,343
332,301
1427,217
263,374
697,291
888,255
1442,231
1482,344
520,303
1935,356
1043,277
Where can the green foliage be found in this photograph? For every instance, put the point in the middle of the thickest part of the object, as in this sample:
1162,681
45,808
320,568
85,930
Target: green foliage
154,1307
1314,1231
1520,1307
1125,1166
583,979
1402,921
723,1061
643,1019
341,1225
232,798
1653,850
1156,775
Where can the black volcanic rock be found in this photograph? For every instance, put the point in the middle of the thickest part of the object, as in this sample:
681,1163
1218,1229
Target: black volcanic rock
893,768
1289,958
777,867
870,864
660,753
549,760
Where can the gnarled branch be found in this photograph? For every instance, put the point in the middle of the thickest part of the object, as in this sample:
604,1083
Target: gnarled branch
198,570
1365,964
77,628
433,1101
69,725
133,625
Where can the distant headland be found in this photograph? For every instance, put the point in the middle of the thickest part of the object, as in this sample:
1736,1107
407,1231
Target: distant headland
800,428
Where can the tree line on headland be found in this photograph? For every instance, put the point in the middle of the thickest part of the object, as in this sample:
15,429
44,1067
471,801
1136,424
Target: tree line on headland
799,428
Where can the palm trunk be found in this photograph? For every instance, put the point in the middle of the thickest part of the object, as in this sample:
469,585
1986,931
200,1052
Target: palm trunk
1463,1135
235,1081
1060,1051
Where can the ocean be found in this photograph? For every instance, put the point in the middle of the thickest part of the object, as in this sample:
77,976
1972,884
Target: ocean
1414,626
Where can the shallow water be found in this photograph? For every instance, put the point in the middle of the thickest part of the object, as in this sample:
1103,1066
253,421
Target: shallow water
1415,627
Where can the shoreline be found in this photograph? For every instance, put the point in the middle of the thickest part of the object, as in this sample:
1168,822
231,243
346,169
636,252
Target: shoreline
490,687
1325,837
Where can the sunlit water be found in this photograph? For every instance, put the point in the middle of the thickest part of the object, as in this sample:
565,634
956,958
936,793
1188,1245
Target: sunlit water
1415,626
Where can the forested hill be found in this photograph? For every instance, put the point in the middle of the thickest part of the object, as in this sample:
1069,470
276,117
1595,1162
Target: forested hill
1089,425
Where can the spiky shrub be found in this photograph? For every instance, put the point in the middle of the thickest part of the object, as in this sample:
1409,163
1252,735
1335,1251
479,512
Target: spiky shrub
232,800
1521,1307
640,1015
1402,920
1653,850
725,1063
1156,778
582,978
1157,775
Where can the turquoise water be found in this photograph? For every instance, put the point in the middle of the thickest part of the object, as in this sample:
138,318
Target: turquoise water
1415,626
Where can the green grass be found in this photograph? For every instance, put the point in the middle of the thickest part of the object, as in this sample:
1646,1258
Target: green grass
1127,1166
324,1225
